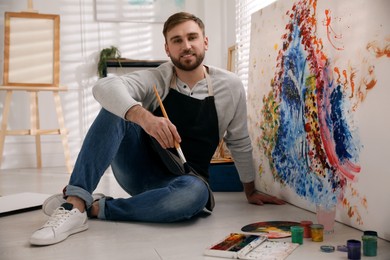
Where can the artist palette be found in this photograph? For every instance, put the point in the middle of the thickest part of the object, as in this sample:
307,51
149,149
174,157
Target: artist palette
271,229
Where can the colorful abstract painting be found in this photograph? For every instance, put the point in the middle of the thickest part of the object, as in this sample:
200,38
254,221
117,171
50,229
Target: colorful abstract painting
318,105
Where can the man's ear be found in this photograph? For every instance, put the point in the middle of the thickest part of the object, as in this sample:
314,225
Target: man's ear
166,49
206,43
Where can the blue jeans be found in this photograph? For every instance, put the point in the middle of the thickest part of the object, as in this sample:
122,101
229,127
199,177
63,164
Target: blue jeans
156,194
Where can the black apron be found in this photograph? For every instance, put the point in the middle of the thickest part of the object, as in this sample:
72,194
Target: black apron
197,123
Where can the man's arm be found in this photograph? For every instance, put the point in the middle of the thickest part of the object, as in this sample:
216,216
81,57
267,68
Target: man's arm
159,127
255,197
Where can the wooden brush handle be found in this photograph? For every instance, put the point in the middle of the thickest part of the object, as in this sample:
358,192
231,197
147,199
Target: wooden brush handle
160,102
177,146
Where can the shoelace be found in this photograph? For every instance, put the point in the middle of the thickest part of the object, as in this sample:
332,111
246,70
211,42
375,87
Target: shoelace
58,217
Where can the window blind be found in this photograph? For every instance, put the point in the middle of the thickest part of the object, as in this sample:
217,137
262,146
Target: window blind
244,10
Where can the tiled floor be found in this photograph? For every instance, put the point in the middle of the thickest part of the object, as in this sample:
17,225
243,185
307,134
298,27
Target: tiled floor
142,241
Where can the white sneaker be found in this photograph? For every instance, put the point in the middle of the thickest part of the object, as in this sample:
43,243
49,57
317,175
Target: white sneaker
56,200
64,222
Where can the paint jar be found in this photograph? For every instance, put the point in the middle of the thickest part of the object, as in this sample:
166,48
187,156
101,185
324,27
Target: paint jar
317,232
306,228
354,249
370,245
297,234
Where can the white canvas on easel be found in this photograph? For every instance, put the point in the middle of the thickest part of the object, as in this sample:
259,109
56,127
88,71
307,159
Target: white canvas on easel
32,65
25,56
31,50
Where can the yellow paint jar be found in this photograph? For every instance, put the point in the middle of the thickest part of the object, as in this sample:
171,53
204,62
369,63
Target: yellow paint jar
317,232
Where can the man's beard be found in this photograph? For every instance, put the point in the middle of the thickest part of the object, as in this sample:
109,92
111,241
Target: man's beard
188,66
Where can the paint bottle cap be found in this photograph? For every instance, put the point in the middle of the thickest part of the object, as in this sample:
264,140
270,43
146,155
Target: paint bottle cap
342,248
327,248
317,226
370,233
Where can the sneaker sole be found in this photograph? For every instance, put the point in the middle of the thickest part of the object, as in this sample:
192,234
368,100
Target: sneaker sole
62,237
51,203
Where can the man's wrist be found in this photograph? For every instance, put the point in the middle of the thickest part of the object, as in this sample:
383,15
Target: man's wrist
134,113
249,188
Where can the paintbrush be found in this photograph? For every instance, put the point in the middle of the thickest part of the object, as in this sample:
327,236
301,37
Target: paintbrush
177,145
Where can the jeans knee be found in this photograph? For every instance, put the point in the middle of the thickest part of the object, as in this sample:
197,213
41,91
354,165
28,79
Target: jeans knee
192,195
197,186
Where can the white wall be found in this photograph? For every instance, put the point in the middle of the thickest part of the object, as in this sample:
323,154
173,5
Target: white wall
82,38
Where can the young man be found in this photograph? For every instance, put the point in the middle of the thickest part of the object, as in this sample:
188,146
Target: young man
203,103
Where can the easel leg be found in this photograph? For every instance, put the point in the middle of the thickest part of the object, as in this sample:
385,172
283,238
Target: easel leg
35,125
63,132
4,122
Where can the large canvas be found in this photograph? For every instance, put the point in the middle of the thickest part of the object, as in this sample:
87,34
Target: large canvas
318,106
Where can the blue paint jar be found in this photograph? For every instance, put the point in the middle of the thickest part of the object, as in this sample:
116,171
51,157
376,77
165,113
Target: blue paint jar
354,249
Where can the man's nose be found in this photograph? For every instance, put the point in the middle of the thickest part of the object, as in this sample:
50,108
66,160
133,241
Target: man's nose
186,44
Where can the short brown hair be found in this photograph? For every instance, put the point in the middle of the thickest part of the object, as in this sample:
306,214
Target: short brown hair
179,18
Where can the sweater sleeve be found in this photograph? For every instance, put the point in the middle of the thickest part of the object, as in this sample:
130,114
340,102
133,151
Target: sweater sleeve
114,96
238,141
118,94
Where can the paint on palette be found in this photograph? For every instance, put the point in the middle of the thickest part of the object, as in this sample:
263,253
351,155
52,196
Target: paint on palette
271,229
308,133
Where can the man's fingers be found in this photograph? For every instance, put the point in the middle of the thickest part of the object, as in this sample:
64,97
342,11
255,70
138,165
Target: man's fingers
166,134
260,202
175,135
261,199
277,201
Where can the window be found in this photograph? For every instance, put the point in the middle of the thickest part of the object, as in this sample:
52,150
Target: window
244,10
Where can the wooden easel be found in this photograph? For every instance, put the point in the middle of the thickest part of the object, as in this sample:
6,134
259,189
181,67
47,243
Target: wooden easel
14,80
222,154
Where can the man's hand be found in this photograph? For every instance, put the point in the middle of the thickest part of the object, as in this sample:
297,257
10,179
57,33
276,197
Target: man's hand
255,197
159,127
261,199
